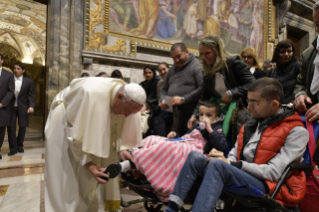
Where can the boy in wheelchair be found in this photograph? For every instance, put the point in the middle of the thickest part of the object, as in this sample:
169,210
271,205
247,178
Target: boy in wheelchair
161,159
270,140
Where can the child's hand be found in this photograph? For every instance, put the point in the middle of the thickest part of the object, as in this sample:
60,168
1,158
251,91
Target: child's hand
215,152
208,125
219,155
171,135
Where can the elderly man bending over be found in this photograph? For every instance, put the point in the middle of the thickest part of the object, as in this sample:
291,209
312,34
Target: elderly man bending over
89,122
271,139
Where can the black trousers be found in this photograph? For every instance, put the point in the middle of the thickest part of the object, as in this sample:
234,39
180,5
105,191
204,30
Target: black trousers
14,141
2,133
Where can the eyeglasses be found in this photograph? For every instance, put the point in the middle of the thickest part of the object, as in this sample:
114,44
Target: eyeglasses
247,57
255,102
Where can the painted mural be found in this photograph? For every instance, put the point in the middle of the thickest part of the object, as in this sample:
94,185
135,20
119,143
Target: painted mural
240,23
14,20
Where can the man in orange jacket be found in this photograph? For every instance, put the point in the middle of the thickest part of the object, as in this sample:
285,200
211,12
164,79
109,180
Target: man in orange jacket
270,140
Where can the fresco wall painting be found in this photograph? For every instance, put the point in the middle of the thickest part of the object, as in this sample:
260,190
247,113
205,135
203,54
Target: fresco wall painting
161,23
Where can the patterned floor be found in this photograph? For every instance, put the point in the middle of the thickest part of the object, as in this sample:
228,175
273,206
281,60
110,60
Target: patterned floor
21,181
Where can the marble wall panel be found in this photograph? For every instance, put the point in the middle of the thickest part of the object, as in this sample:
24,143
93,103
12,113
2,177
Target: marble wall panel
65,45
134,73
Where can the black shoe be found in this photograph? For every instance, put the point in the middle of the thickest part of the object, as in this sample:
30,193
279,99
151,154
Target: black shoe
0,157
128,176
113,170
20,149
12,153
140,183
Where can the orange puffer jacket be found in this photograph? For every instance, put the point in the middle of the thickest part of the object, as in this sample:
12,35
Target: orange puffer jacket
271,141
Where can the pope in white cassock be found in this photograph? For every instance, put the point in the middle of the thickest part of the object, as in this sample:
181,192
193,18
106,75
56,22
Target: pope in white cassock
89,123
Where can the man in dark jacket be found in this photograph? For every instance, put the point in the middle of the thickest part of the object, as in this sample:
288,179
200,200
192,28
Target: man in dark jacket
6,96
182,83
307,87
24,103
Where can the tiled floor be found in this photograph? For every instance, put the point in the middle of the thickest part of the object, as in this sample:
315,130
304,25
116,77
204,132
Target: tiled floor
22,181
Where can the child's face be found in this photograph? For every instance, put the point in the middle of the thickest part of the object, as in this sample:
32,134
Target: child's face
207,113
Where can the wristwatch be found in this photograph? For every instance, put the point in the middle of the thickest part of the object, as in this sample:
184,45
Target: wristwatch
182,100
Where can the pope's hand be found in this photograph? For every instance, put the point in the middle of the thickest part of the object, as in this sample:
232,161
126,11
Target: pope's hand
97,172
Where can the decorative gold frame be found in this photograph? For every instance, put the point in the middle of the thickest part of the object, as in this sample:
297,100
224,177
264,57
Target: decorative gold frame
269,29
136,41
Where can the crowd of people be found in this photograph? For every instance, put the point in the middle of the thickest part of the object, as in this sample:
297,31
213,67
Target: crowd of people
195,100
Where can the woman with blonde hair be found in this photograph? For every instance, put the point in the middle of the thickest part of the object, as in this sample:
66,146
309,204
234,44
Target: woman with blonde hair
249,56
226,77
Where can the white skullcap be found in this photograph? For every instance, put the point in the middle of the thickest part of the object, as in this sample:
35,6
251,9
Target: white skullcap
136,93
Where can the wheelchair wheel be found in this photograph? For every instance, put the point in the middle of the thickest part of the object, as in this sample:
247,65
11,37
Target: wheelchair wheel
152,207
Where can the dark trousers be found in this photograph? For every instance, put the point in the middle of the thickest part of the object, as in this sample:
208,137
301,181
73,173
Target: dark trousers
15,141
180,120
2,133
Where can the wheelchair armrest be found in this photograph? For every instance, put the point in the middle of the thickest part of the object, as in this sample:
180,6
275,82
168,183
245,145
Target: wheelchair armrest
300,166
285,174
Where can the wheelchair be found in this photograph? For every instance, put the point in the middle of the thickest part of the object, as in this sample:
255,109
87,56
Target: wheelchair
237,198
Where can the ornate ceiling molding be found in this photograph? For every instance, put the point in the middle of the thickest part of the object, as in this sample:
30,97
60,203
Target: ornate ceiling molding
23,27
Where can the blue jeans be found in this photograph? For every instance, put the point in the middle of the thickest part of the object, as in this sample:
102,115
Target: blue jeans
216,174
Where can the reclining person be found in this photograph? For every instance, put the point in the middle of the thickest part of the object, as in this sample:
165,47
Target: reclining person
161,160
270,140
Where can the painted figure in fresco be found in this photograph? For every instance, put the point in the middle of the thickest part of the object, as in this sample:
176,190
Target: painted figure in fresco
192,26
125,11
245,20
216,6
136,6
233,19
165,25
256,39
176,4
149,13
202,9
211,27
223,10
188,5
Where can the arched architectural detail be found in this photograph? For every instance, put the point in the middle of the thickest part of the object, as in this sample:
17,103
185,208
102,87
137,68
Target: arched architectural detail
10,55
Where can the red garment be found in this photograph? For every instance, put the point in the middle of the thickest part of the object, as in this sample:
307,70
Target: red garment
271,141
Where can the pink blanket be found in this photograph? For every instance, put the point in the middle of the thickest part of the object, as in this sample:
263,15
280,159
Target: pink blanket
161,161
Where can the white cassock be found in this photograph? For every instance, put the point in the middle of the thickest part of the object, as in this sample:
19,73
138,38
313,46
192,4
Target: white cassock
81,127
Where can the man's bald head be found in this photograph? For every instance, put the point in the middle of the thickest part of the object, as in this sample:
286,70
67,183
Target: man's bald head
129,99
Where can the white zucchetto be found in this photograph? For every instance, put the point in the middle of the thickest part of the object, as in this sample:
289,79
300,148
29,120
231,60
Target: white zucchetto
136,93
